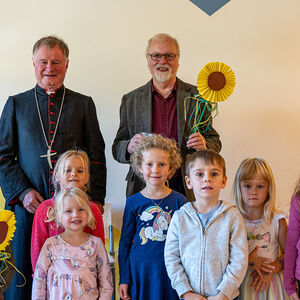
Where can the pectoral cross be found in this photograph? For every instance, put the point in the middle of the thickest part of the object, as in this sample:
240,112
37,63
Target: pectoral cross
48,155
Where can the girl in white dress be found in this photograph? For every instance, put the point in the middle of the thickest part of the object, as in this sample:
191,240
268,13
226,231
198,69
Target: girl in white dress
254,195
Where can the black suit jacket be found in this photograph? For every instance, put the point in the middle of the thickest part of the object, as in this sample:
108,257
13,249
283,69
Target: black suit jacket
22,141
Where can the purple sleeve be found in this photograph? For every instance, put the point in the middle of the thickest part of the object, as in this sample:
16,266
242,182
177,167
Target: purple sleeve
291,252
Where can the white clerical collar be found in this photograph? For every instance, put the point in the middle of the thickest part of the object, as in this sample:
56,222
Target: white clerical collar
50,92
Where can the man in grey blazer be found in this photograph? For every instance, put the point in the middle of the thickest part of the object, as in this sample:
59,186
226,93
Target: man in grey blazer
158,107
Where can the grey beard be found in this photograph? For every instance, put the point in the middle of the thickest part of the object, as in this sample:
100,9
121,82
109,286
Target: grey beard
162,76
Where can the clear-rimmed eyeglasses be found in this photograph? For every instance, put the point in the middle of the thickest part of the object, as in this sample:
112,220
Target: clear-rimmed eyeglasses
158,56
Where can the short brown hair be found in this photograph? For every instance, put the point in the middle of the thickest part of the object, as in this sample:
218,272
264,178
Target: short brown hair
50,42
208,156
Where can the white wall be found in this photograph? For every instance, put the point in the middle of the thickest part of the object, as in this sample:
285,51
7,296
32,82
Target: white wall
107,39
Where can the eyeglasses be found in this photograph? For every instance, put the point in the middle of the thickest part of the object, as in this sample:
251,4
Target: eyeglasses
158,56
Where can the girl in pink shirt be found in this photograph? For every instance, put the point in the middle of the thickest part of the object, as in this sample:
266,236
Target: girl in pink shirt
71,170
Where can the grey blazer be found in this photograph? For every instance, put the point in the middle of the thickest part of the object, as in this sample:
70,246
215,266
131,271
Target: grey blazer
136,117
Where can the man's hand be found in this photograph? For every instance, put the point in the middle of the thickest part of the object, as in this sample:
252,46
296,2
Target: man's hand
196,141
133,142
123,291
32,200
192,296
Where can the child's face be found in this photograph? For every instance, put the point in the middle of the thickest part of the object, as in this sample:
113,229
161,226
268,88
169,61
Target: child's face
254,192
155,166
74,217
74,175
206,180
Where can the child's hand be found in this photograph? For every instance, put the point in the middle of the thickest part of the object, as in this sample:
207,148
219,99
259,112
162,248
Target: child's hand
192,296
278,265
123,291
294,297
261,283
220,296
260,263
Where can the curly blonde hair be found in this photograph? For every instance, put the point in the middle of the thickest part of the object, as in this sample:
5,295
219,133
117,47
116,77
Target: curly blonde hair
156,141
55,213
251,168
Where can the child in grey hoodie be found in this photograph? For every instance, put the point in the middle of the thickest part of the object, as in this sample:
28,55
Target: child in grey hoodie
206,251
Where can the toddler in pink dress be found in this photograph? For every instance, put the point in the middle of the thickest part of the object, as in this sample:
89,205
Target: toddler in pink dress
73,264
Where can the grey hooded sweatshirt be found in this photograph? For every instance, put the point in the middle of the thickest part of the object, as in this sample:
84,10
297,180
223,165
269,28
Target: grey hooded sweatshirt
207,260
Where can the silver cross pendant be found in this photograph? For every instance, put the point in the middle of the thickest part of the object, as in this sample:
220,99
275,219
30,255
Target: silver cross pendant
48,155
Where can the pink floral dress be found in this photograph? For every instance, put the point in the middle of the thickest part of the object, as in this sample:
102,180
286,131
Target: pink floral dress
64,271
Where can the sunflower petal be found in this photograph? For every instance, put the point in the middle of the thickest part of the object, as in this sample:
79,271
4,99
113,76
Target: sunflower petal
206,91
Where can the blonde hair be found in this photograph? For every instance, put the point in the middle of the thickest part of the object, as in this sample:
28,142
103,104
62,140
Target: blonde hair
60,167
55,214
255,168
156,141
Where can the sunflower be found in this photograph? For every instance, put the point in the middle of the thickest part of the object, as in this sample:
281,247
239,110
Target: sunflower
7,227
215,82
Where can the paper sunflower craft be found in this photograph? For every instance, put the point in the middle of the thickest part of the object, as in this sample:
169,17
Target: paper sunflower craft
7,262
7,227
215,83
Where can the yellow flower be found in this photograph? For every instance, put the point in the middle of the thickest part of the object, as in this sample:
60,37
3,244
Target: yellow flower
215,82
7,227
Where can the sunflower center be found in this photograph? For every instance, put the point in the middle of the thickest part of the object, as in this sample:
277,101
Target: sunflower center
3,231
216,81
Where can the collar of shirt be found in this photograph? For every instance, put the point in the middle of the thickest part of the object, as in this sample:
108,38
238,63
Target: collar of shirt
155,92
43,92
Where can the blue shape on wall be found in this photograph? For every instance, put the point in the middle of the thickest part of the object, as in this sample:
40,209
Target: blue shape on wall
210,6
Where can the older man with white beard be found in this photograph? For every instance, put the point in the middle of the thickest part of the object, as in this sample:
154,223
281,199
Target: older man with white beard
158,107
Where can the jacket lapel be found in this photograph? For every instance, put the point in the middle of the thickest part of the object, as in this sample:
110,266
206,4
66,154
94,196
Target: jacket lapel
182,92
145,109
